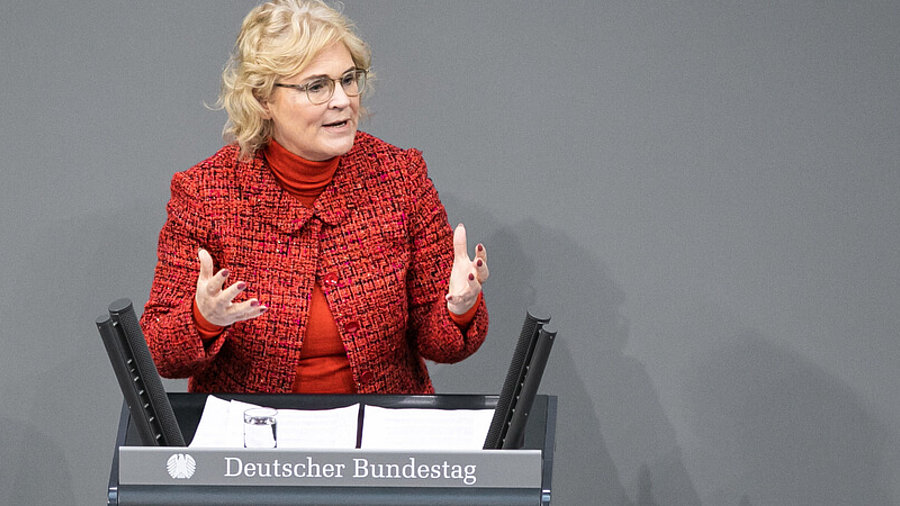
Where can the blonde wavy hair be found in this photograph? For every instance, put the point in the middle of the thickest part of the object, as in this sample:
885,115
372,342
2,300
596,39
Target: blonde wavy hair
278,39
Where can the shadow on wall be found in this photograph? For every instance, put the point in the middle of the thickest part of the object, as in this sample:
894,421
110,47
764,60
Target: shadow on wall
32,466
610,421
58,372
788,432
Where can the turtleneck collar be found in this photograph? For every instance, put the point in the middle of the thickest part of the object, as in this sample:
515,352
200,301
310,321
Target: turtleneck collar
300,177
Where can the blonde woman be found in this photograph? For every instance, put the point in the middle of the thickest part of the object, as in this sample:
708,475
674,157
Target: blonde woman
305,255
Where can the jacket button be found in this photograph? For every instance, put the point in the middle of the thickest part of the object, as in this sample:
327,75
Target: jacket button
367,377
330,279
352,326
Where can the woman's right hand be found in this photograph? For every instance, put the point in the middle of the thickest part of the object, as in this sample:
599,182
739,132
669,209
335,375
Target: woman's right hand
216,302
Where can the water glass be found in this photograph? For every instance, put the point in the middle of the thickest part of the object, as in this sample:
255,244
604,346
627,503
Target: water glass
260,428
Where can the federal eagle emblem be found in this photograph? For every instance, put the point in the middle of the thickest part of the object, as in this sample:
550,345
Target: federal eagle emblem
181,466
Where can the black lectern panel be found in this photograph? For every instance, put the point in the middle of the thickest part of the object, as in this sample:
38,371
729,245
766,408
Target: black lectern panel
539,435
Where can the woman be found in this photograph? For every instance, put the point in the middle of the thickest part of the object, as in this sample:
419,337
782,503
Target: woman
306,256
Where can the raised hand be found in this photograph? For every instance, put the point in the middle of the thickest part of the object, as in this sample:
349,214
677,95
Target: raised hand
216,303
467,275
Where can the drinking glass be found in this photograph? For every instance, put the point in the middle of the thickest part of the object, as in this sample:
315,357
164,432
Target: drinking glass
260,428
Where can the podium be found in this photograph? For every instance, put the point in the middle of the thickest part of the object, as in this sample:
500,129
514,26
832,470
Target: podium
504,477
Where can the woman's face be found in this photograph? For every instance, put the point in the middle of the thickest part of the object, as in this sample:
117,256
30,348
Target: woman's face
316,132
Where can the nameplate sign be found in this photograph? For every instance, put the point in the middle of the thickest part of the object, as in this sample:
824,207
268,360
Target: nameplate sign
143,465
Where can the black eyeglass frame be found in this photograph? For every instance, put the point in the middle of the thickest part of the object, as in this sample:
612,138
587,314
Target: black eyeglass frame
360,74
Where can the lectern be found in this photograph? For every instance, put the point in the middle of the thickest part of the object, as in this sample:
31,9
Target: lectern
505,477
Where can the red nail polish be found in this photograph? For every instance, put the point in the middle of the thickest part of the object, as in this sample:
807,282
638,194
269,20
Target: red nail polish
471,277
479,262
241,286
254,303
480,247
225,273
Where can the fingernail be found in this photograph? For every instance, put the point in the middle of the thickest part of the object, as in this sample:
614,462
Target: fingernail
241,285
225,273
263,309
254,303
479,262
480,247
471,277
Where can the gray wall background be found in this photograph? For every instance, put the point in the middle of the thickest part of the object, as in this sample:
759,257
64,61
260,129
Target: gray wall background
703,194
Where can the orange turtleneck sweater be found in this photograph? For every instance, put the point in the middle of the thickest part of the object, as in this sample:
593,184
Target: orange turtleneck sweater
323,366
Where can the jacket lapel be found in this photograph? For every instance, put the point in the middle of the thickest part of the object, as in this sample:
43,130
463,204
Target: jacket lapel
263,198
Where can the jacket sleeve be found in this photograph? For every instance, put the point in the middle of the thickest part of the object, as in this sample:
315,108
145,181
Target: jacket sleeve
431,330
168,321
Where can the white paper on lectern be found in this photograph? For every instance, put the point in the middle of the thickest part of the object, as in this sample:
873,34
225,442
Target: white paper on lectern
222,426
425,429
217,428
332,429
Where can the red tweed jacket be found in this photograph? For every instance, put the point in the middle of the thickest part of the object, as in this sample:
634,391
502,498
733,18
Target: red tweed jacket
377,240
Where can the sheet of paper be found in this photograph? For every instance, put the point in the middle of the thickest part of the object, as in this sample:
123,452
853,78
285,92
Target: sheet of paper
217,427
425,429
321,429
222,426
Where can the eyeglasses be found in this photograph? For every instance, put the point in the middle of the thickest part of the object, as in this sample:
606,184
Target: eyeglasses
321,89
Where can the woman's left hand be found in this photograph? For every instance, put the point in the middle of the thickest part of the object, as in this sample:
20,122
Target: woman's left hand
467,275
